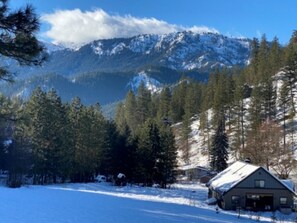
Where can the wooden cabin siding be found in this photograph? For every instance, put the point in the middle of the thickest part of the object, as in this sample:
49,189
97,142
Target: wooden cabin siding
261,174
243,192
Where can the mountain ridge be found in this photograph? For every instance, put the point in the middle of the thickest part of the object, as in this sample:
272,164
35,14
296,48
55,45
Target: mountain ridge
113,63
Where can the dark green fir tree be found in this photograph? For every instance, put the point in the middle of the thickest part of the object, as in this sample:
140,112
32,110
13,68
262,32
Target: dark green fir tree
219,148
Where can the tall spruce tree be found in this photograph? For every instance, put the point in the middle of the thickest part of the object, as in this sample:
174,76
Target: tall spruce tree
255,110
276,57
219,148
285,112
130,111
291,50
239,113
143,99
205,125
167,157
178,101
39,131
120,119
164,105
148,150
252,69
58,154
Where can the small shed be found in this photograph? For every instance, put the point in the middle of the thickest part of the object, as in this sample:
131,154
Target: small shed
246,186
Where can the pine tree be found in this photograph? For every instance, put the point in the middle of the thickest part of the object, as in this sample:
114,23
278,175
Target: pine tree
148,149
130,110
290,70
38,127
239,113
284,104
120,119
143,109
291,51
46,129
219,148
276,57
252,69
263,55
58,154
289,82
18,41
185,136
167,157
229,98
14,156
255,109
121,153
290,76
88,134
221,96
164,105
178,101
205,125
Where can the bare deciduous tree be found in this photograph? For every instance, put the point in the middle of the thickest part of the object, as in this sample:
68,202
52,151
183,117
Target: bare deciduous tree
265,148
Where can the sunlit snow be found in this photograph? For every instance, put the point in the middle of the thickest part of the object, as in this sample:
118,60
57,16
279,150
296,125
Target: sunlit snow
97,202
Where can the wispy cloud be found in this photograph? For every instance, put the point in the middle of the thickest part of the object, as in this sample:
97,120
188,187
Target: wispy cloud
75,27
259,34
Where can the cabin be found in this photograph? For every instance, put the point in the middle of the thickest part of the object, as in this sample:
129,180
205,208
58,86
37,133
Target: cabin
250,187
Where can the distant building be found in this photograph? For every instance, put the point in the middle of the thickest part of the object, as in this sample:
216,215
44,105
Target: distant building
243,185
197,173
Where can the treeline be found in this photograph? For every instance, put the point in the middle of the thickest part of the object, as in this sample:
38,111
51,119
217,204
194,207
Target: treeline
50,142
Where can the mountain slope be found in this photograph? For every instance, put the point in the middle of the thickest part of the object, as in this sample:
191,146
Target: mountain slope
102,71
179,51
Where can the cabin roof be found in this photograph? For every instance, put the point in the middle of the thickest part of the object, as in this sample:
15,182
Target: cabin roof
236,173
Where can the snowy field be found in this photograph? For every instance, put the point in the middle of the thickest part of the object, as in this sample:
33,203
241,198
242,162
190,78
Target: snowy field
94,203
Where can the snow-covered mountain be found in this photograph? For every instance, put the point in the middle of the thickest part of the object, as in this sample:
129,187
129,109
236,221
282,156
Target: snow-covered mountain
181,51
106,69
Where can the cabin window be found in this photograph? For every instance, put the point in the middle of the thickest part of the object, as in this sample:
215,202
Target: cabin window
235,199
283,201
259,183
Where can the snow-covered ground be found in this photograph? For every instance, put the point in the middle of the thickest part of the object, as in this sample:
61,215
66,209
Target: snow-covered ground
97,202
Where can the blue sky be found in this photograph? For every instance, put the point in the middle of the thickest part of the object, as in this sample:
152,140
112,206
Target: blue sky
121,18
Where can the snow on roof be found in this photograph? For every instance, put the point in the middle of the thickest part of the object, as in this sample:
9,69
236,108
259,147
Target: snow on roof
193,166
237,172
231,176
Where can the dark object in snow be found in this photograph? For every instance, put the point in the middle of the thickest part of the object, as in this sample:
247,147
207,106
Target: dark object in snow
121,180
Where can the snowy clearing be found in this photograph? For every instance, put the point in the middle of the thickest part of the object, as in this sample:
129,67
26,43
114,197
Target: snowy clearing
100,202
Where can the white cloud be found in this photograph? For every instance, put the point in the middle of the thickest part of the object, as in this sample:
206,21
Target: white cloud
202,29
74,27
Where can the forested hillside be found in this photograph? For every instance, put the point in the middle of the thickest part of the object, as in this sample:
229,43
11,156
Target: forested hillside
249,112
